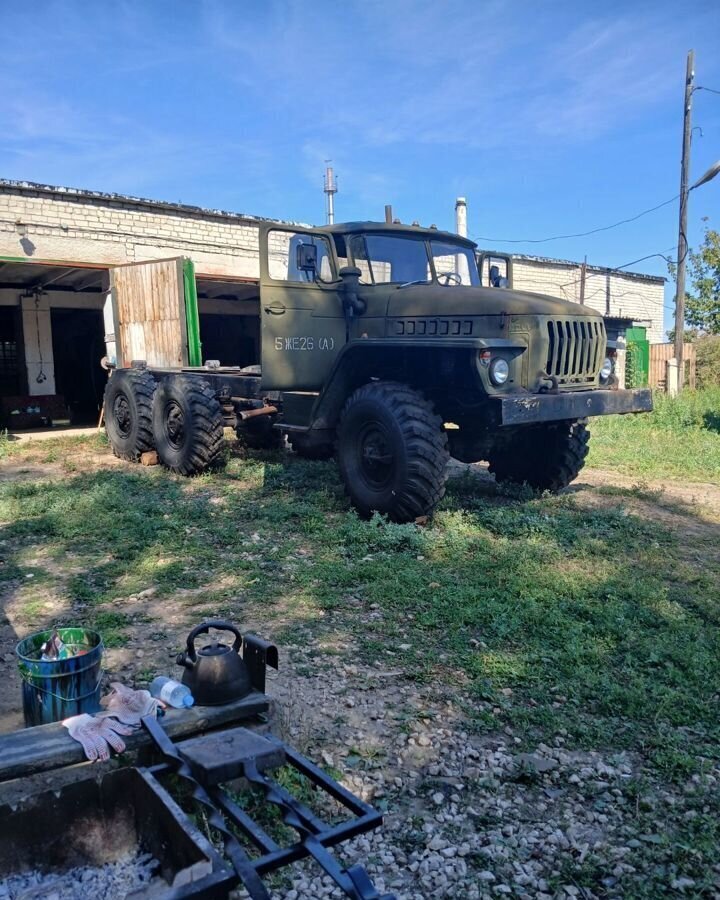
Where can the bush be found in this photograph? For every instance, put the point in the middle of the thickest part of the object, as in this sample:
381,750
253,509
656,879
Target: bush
708,360
691,409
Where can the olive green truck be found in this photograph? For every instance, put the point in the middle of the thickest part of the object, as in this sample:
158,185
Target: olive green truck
380,346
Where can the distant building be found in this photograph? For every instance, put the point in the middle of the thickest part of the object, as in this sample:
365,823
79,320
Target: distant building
626,295
58,245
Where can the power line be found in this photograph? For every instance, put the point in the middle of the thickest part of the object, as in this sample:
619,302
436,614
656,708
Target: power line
649,256
562,237
611,269
711,90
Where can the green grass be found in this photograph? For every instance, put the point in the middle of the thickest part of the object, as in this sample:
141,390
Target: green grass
589,613
679,439
540,594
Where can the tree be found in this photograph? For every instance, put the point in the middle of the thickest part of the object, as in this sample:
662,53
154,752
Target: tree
702,305
707,351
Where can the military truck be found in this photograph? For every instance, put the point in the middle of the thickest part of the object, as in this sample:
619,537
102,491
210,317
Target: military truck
380,346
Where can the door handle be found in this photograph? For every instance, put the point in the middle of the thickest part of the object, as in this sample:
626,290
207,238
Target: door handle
275,308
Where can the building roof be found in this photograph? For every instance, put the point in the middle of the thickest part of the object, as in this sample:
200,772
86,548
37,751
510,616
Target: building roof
78,194
599,270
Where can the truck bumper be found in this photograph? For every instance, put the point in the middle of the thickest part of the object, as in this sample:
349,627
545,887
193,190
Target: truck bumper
528,408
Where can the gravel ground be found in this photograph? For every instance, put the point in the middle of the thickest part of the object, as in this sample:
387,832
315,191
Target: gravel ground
113,881
473,816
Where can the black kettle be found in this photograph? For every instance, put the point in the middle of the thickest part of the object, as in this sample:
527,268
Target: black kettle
215,673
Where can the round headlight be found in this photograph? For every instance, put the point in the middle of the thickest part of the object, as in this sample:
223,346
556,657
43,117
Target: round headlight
499,370
606,369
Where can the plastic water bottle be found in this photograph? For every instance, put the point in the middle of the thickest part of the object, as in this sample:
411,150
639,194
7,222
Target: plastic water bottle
171,692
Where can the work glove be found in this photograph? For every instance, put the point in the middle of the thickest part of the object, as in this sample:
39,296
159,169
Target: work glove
97,735
128,705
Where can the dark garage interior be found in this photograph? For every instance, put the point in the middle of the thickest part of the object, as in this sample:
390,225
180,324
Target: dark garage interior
78,347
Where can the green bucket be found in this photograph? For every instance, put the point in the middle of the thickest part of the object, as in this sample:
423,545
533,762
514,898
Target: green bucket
56,689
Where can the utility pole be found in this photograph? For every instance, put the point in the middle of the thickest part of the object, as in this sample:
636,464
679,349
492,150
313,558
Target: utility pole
682,236
330,189
583,278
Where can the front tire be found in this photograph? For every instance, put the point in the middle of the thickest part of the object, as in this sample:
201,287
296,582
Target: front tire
187,424
547,457
128,412
392,452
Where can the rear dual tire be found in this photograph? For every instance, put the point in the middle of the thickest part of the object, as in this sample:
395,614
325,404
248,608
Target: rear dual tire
180,417
128,406
187,425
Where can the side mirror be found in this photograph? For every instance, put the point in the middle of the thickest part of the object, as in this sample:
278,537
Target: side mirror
306,258
497,268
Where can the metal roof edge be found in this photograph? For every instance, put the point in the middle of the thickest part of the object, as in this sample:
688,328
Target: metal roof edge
68,193
573,264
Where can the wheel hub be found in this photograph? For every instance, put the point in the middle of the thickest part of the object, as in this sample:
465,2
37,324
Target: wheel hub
175,424
377,461
122,415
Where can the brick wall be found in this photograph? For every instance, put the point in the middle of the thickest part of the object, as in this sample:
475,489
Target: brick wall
634,296
54,224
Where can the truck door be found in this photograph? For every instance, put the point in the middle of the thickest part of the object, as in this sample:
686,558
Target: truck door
154,314
303,324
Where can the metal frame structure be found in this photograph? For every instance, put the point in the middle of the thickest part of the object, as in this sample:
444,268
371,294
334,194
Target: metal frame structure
315,836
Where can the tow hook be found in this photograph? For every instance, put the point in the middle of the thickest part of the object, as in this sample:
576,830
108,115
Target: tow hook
545,388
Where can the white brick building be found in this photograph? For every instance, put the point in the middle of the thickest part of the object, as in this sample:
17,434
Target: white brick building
57,246
619,294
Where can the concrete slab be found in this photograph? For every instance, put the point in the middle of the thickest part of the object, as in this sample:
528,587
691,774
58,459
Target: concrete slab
46,434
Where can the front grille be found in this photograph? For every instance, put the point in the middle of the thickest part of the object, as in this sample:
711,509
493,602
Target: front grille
575,349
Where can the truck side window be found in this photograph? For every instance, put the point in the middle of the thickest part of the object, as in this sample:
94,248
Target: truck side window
282,257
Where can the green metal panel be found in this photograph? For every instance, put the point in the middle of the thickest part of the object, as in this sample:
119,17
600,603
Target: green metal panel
191,314
637,363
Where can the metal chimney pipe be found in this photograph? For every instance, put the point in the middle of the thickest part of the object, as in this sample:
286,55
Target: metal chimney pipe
461,216
330,190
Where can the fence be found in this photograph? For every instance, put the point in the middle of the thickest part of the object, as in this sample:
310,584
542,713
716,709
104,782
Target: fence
660,354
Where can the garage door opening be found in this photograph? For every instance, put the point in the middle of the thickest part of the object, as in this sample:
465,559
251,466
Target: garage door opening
229,313
78,346
51,343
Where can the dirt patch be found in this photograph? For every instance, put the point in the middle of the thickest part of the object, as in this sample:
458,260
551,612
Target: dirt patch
17,472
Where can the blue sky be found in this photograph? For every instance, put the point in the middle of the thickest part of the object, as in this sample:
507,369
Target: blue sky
550,117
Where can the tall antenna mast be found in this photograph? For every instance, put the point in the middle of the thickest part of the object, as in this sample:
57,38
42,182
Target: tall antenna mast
330,190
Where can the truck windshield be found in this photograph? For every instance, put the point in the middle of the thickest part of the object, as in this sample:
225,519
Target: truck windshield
390,259
454,265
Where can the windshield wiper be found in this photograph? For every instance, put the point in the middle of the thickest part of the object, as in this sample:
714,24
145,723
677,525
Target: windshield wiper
417,281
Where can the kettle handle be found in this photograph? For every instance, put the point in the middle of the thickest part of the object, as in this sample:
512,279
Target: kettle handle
204,627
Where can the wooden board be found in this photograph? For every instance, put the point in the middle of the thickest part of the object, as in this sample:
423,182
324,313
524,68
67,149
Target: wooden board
46,747
660,354
149,311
